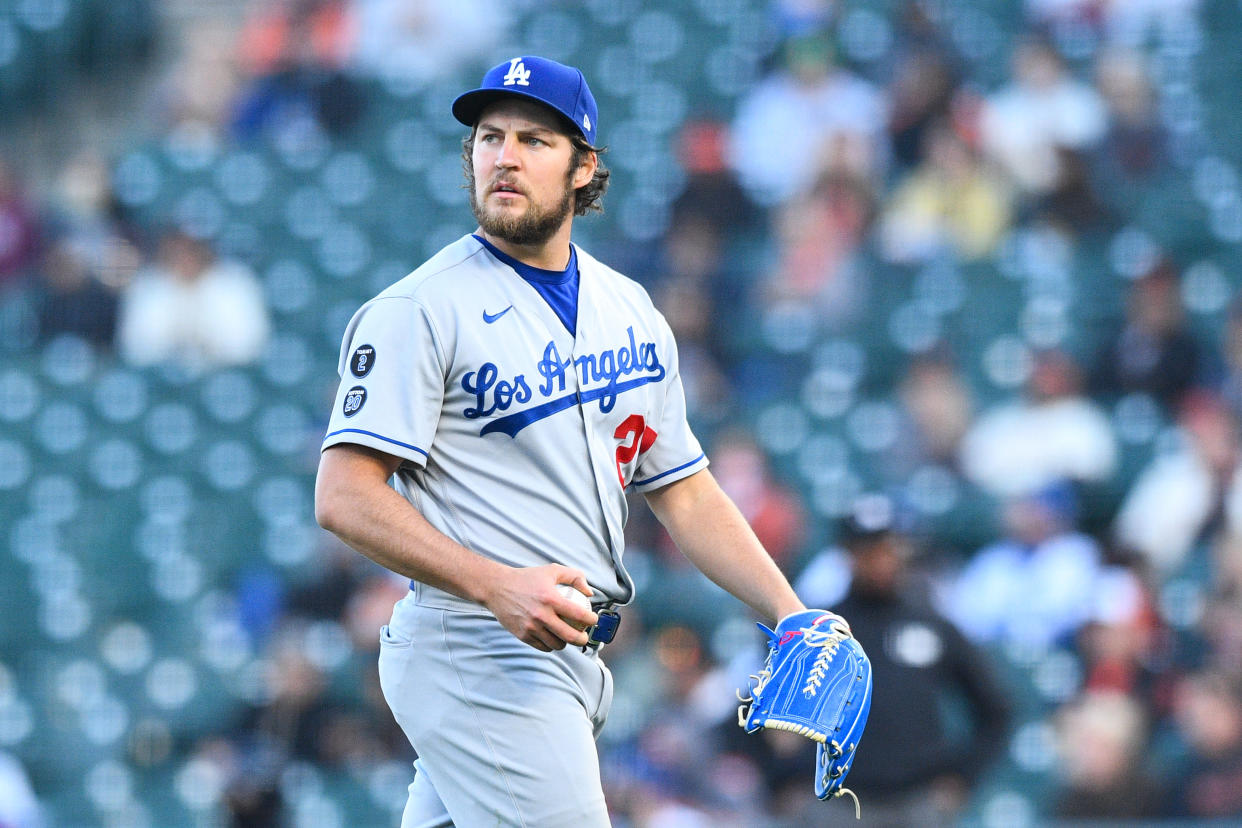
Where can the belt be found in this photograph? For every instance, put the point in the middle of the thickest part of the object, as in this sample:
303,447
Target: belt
605,629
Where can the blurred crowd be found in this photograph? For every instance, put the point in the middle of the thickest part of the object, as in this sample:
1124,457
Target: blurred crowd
1080,616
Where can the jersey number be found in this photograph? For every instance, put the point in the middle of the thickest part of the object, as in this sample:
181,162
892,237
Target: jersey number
636,438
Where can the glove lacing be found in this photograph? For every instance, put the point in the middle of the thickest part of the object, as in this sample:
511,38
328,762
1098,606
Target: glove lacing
759,680
828,641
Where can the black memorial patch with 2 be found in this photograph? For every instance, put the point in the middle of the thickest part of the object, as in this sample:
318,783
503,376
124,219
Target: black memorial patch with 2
363,360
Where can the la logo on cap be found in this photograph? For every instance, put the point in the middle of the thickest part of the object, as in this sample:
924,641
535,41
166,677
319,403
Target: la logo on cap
518,73
561,87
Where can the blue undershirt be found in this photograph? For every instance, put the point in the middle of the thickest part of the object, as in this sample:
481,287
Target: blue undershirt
559,288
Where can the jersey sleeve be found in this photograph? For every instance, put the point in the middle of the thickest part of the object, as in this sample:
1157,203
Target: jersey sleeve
676,452
392,380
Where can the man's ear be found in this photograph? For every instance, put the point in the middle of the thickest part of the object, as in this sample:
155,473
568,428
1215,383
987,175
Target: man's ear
586,170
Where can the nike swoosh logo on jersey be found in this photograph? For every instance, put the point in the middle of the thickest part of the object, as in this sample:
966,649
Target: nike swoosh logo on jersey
489,318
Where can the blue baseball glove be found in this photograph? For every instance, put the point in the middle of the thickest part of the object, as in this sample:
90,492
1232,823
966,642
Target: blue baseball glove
816,682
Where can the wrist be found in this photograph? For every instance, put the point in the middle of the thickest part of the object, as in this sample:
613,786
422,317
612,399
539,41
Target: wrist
788,607
483,581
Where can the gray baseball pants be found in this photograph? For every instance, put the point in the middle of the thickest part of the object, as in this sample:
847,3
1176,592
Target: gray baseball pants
505,733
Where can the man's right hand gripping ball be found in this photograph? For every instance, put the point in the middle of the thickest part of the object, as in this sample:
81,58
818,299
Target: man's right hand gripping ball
816,682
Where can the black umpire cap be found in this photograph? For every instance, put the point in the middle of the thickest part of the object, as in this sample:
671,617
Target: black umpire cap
871,517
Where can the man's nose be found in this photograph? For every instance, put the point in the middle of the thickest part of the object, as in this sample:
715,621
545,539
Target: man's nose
508,155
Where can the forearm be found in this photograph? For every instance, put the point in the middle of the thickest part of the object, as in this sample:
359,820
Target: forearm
354,502
714,536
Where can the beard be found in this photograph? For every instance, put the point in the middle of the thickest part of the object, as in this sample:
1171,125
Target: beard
533,227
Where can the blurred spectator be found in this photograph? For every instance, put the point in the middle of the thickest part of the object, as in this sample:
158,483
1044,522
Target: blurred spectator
1043,108
295,718
916,764
203,81
1125,649
19,227
700,284
193,309
1188,492
675,764
712,193
87,213
818,235
804,17
1228,354
1136,143
1153,352
1054,432
786,126
320,31
689,309
1222,614
90,254
369,608
773,512
1037,586
332,583
1208,713
1128,23
922,92
19,808
301,720
950,204
939,405
1101,746
414,42
295,53
1071,205
778,762
72,300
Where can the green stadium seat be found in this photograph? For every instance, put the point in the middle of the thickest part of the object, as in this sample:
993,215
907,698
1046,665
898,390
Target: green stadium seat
120,395
229,465
349,179
171,427
116,464
62,427
229,396
68,360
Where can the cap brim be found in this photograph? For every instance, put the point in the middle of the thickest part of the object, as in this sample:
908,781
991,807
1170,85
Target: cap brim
470,105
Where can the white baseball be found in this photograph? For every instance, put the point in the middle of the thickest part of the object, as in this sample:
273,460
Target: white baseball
572,593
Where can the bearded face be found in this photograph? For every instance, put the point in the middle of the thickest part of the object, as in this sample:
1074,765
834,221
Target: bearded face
530,223
522,173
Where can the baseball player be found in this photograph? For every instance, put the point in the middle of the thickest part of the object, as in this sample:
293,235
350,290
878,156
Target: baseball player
512,388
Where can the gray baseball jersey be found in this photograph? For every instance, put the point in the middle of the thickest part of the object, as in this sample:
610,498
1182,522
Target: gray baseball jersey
519,438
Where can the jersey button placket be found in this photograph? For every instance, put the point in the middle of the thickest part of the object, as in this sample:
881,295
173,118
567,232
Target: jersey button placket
601,459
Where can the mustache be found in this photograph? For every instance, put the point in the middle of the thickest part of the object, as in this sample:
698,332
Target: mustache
503,181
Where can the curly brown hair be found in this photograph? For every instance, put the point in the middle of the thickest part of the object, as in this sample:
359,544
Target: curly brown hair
587,198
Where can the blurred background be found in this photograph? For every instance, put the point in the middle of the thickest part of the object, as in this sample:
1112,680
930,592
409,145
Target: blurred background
956,290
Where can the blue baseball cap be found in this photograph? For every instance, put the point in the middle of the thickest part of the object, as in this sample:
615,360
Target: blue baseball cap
554,84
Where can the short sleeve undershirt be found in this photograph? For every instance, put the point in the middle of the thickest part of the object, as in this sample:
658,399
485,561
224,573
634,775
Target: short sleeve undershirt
559,288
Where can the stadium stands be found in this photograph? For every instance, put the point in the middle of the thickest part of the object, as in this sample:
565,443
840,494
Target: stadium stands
158,546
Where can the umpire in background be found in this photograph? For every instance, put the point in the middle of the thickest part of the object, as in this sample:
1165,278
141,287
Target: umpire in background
917,763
